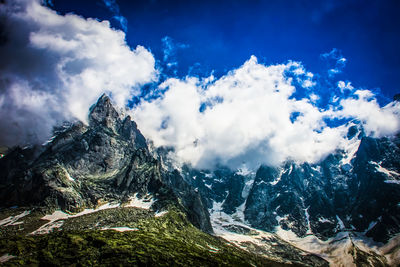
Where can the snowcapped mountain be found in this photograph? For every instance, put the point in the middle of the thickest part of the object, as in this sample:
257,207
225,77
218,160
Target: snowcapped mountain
348,204
344,209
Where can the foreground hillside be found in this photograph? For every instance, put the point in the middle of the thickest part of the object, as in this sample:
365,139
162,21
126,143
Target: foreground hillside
115,235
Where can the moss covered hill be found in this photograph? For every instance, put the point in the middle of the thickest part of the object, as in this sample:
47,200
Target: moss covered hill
118,236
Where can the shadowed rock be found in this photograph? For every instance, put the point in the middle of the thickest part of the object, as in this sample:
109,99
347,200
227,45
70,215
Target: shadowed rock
107,160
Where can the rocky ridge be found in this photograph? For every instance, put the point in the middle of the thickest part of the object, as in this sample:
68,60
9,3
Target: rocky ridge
86,165
351,195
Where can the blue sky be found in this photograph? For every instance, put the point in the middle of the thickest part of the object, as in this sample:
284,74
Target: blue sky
221,35
222,82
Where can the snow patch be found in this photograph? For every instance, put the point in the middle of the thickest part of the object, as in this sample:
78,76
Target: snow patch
12,220
340,222
221,221
278,178
102,207
284,218
390,174
239,214
291,169
337,250
143,203
69,177
262,182
51,139
324,220
392,182
217,215
56,215
244,171
370,226
212,249
350,149
317,169
120,229
160,214
381,169
56,218
247,187
308,220
48,227
334,250
6,257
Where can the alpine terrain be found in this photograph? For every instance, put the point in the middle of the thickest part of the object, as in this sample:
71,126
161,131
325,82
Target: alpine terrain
98,194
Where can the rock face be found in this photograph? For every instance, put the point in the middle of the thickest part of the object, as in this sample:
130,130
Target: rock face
362,195
357,190
353,193
84,165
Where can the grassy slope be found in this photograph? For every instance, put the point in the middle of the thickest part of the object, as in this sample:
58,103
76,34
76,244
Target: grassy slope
162,241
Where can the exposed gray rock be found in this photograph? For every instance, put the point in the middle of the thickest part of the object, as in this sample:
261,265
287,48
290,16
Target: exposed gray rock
359,195
319,198
85,165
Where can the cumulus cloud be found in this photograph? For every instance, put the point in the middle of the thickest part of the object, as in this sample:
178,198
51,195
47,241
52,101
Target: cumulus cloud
377,121
251,116
342,85
54,67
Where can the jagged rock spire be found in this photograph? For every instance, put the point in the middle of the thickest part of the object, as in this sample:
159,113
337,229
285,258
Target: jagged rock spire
103,113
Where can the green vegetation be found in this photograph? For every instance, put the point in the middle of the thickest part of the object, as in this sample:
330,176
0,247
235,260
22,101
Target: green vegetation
25,225
169,240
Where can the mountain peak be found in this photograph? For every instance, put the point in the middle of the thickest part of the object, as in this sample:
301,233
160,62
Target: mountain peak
104,97
103,113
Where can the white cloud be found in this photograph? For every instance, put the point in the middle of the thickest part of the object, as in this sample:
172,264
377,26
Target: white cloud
54,67
308,83
304,78
314,97
333,72
248,118
344,86
377,121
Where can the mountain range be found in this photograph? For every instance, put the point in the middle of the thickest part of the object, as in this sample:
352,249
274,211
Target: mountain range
98,194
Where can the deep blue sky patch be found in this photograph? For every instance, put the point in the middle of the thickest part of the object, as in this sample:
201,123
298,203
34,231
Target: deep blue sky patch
220,35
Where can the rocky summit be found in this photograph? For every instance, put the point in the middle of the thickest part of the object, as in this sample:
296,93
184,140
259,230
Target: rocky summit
90,179
85,165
